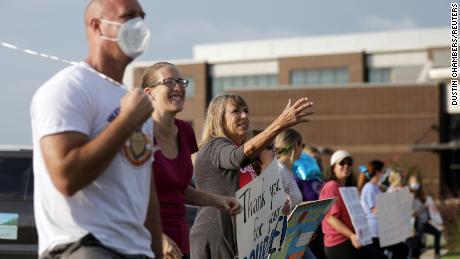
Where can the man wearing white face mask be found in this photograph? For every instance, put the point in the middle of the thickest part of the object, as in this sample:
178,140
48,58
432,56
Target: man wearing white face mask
93,147
133,36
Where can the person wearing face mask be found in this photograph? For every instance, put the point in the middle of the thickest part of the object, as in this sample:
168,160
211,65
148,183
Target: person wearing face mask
225,149
175,142
422,217
372,178
340,239
93,147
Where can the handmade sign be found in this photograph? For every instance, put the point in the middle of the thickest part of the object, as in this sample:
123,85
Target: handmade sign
394,216
261,226
302,224
351,199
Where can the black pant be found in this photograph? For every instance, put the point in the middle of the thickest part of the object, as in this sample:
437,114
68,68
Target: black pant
317,245
399,251
346,250
430,229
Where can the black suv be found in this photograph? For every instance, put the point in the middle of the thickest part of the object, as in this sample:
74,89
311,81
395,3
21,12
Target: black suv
18,235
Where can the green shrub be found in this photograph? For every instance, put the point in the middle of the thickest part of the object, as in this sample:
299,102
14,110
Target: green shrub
450,211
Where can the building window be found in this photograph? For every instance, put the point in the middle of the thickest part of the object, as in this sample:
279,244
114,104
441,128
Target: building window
379,75
222,84
329,76
190,91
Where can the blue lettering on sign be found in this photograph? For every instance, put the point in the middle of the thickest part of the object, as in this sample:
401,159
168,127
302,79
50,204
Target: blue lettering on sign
265,247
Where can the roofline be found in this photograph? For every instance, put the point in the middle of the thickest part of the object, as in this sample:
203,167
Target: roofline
338,86
15,147
326,36
373,42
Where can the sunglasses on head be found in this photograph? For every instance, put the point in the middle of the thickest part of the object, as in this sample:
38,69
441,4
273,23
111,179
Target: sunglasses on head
346,161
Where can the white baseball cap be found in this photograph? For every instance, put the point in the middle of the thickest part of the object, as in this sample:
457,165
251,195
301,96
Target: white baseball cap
338,156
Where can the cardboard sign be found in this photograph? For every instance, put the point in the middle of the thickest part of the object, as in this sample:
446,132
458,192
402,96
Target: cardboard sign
394,212
261,226
302,224
352,201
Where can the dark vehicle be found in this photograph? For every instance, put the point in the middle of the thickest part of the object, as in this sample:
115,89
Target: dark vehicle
16,202
18,234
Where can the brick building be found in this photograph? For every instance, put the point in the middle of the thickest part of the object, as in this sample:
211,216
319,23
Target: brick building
380,95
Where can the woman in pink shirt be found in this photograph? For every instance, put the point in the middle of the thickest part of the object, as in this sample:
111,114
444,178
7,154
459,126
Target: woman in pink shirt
172,167
340,239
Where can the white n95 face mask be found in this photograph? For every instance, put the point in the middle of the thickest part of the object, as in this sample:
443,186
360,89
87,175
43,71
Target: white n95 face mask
133,37
414,186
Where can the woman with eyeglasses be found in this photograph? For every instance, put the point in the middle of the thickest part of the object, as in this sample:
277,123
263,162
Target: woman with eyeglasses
225,149
340,239
172,167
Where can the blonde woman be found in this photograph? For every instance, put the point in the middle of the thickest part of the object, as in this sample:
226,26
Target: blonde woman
395,181
288,147
224,151
172,167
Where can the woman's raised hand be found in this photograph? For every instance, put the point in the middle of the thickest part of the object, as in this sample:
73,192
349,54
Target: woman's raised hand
295,113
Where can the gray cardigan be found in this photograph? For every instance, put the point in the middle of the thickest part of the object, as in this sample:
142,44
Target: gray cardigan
217,164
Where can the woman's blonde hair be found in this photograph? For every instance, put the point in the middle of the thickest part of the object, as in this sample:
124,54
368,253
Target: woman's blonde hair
395,178
150,75
214,123
285,143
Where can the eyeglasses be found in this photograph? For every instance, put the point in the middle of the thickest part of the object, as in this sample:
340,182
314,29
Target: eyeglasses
171,82
346,161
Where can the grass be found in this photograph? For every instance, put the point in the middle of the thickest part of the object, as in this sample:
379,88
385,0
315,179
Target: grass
455,253
452,255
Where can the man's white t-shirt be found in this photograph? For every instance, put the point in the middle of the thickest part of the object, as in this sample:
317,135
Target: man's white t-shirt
113,207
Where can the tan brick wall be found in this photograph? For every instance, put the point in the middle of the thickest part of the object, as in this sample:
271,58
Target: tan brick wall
372,122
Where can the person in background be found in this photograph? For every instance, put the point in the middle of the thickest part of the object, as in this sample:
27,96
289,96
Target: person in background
422,217
224,150
308,175
288,147
340,239
175,142
289,184
369,193
316,154
395,181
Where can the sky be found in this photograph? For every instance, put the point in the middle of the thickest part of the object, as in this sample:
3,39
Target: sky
56,27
